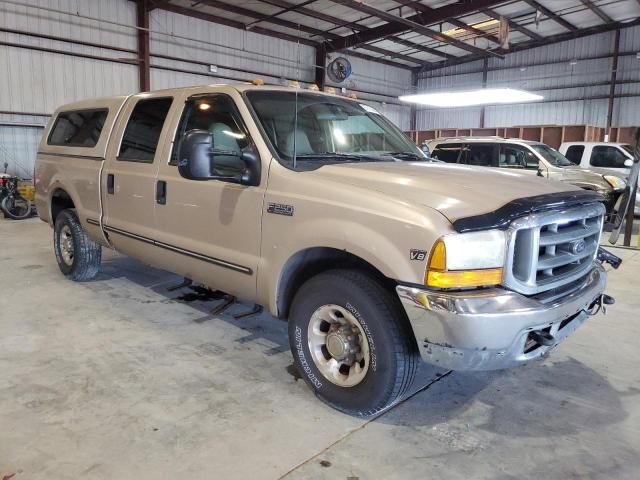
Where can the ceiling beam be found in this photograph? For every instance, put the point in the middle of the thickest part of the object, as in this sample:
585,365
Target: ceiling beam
409,24
561,37
440,14
354,26
153,4
284,36
304,28
234,23
597,10
556,18
512,25
421,8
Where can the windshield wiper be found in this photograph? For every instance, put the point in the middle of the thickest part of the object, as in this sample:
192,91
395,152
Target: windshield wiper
405,155
337,155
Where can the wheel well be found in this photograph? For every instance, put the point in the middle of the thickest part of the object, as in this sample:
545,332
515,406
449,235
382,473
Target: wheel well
312,261
60,200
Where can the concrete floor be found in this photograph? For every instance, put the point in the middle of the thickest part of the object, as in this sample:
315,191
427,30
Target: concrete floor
118,378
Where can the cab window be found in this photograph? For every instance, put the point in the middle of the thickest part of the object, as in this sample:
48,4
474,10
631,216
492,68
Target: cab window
448,152
515,156
574,153
141,136
218,115
607,156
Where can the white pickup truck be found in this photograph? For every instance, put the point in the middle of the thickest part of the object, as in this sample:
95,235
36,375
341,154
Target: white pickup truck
604,157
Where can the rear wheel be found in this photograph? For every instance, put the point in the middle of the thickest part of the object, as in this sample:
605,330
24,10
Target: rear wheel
16,207
351,342
78,256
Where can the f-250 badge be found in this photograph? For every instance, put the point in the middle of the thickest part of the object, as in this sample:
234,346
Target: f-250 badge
280,209
418,255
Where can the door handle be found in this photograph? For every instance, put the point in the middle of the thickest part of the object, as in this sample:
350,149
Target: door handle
110,183
161,192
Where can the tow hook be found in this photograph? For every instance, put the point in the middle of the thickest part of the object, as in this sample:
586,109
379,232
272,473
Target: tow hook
542,338
600,303
606,256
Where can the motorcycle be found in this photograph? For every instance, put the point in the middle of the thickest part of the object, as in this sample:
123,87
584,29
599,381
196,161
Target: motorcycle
13,204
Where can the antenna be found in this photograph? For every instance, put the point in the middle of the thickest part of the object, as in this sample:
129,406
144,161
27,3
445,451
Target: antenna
295,118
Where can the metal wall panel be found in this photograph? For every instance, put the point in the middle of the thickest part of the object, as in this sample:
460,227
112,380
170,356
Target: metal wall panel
561,83
375,77
211,42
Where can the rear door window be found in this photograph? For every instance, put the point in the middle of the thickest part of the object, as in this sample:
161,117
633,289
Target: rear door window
607,156
574,153
482,155
448,152
142,133
78,128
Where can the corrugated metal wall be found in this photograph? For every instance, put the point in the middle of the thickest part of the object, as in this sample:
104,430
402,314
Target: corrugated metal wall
41,74
37,82
562,83
379,85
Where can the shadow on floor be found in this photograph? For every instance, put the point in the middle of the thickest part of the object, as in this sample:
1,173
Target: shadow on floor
537,400
541,399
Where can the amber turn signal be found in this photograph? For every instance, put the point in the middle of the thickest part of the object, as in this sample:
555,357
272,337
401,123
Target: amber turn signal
462,279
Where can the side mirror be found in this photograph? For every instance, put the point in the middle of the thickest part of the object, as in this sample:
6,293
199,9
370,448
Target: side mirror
197,157
628,162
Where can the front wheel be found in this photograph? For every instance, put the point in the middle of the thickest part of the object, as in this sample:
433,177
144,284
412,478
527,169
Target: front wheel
351,342
16,207
78,256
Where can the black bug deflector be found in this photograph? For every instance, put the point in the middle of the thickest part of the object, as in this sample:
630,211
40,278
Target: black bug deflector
501,217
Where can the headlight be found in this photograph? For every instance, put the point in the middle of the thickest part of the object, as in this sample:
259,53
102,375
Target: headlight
472,259
615,182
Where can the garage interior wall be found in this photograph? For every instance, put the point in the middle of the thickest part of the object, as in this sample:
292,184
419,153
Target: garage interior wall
572,76
97,56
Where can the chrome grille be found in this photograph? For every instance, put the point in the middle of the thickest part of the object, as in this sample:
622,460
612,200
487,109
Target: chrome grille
551,249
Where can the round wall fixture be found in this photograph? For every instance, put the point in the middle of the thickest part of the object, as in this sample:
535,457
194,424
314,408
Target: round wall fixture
339,70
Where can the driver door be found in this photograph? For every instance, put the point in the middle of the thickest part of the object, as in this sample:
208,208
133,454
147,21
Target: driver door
211,228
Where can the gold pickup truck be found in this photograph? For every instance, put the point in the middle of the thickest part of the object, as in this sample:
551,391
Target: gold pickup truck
319,208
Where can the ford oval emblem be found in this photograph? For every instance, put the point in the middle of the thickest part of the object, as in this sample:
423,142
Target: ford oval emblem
577,246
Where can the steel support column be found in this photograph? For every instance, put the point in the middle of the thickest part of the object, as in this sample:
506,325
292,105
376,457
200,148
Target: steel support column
614,78
485,70
144,67
321,64
413,119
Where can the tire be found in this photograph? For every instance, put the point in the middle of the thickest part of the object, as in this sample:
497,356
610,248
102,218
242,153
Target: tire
16,207
389,346
77,255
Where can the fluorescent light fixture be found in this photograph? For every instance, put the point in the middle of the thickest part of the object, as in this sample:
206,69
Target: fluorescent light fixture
467,98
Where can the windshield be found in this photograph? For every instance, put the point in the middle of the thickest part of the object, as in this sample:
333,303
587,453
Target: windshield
328,129
551,155
627,148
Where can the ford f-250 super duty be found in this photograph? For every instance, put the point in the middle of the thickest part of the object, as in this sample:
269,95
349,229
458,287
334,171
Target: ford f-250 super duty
317,207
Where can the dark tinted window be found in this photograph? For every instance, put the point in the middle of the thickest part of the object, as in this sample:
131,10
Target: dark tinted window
448,152
218,115
141,136
574,153
611,157
516,156
80,128
482,155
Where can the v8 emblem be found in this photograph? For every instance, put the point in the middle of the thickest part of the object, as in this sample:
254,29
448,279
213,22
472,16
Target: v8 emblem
418,255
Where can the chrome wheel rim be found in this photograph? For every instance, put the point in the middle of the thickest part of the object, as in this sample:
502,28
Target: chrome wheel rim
338,345
66,245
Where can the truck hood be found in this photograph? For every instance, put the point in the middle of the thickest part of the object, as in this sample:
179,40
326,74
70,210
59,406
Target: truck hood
577,173
456,191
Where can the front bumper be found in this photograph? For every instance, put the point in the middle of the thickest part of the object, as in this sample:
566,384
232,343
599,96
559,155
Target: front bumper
490,329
